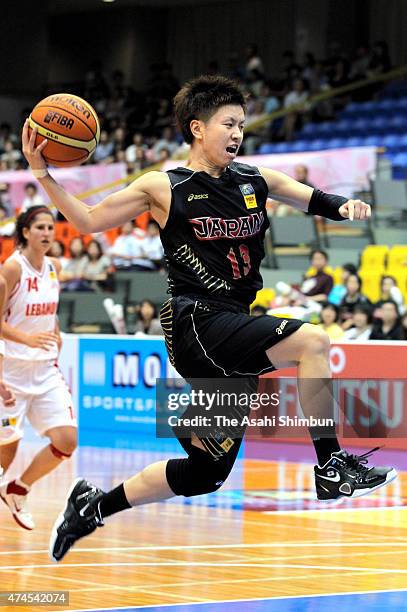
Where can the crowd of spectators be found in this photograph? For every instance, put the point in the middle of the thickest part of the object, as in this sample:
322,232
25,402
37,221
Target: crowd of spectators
343,311
137,127
91,267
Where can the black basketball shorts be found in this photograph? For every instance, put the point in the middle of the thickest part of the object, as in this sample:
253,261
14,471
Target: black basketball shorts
206,339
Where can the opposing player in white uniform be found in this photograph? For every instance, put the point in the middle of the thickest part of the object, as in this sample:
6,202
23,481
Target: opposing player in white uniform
30,370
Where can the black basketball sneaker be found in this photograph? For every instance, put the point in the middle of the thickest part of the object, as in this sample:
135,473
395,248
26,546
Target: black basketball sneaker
346,475
79,518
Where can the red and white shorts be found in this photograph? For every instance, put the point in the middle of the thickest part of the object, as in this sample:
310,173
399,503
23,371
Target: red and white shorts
42,396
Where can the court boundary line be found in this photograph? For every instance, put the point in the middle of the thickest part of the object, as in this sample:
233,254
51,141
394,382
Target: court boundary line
279,597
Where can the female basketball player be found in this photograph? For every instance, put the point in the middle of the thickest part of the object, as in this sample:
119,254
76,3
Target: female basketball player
213,219
30,369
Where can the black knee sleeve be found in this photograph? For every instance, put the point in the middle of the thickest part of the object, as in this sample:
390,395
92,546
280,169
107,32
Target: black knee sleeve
200,473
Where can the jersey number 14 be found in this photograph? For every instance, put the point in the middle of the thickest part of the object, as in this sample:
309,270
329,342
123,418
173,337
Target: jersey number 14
32,283
245,264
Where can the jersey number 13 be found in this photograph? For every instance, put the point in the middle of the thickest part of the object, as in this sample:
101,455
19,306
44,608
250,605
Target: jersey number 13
244,263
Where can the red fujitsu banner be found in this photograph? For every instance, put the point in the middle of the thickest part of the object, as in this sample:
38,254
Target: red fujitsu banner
370,390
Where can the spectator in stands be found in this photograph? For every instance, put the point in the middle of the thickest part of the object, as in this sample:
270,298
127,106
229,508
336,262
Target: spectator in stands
389,327
140,160
360,63
151,246
362,324
301,175
119,139
163,115
7,226
167,141
319,285
340,75
148,321
104,150
126,248
253,61
72,276
57,250
5,199
270,102
97,267
290,69
329,321
253,138
132,150
352,298
390,291
340,78
298,95
32,197
380,59
338,291
6,134
11,157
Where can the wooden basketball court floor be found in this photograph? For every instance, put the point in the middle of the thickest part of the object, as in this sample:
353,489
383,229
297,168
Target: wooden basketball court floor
261,543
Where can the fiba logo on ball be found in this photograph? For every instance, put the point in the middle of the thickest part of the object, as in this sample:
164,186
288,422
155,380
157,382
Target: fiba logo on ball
70,125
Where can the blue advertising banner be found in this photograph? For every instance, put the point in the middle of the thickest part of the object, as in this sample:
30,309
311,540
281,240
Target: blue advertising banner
117,391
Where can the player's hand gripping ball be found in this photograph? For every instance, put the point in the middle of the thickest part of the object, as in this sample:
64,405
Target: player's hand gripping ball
71,127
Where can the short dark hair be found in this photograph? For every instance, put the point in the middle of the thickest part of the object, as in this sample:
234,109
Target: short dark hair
396,306
364,309
329,306
350,267
201,97
26,219
31,185
324,253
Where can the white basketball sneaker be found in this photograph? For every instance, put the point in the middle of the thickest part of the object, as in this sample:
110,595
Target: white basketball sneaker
14,494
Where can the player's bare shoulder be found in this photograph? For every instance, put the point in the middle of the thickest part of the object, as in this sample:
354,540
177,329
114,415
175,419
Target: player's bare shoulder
11,272
157,185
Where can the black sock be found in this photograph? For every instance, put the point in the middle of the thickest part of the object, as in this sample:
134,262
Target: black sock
114,501
324,443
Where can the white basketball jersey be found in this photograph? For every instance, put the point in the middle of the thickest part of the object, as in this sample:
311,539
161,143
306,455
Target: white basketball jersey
32,307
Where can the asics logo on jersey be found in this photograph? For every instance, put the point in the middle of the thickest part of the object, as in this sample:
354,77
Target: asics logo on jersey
215,228
281,327
334,476
198,196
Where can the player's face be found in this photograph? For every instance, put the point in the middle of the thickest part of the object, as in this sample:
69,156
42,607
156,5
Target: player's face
223,134
40,235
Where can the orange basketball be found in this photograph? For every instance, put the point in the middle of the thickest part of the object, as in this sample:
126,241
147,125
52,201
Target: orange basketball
71,127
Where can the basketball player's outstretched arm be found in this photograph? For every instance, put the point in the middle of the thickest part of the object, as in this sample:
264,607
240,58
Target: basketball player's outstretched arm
285,189
149,192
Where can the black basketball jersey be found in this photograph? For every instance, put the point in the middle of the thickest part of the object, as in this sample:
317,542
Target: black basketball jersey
213,239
